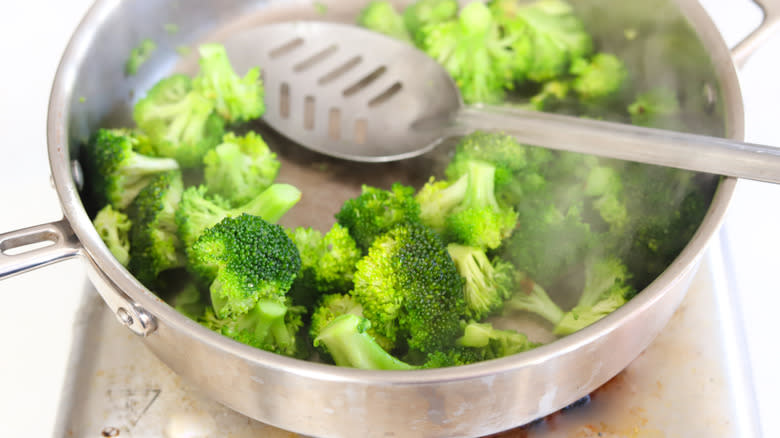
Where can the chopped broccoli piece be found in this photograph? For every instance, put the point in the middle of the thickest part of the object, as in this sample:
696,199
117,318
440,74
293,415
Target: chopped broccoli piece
438,198
500,150
658,108
410,289
139,55
496,343
114,228
327,262
581,317
605,185
197,212
426,12
531,297
473,51
154,246
348,342
376,211
479,220
553,93
114,171
599,79
329,307
181,122
247,260
190,302
380,16
487,284
237,99
240,168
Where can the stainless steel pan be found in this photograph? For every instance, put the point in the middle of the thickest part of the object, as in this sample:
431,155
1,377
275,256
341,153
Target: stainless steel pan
677,46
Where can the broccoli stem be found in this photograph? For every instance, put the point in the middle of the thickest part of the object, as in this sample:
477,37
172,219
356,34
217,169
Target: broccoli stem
348,342
273,202
480,190
533,298
268,320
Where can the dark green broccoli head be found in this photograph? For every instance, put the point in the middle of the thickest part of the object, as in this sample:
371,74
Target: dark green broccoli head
181,122
247,259
154,245
240,168
114,228
376,211
426,12
487,284
473,51
380,16
410,289
114,171
236,99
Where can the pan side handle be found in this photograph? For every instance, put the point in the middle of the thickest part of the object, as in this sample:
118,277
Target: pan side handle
35,247
768,27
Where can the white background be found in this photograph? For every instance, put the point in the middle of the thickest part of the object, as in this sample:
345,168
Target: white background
38,308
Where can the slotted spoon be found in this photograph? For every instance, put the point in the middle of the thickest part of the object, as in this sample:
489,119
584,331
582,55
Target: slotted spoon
355,94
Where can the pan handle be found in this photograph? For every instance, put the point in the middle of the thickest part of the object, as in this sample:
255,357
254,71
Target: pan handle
36,247
769,25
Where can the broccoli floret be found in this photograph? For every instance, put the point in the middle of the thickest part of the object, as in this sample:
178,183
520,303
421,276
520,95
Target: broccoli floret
139,55
190,302
605,186
327,262
410,289
657,108
553,93
487,284
154,245
247,259
494,342
269,325
180,121
599,79
425,12
329,307
376,211
438,198
114,171
498,149
237,99
197,211
530,297
240,168
114,228
479,220
380,16
347,341
474,53
455,356
546,37
581,317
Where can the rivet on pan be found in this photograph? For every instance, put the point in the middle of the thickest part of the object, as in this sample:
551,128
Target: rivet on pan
124,316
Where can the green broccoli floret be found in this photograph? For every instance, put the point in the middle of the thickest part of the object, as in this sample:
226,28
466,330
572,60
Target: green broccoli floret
657,108
240,168
380,16
329,307
530,297
455,356
247,260
546,37
552,94
237,99
376,211
599,79
410,289
154,245
114,171
114,228
190,302
605,186
268,325
474,53
479,220
197,211
605,290
347,341
139,55
426,12
487,284
438,198
180,121
495,343
327,262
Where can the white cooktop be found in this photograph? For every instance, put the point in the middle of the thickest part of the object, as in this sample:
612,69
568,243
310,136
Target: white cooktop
37,323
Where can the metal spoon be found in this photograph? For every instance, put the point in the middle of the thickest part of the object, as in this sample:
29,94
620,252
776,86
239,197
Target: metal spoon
351,93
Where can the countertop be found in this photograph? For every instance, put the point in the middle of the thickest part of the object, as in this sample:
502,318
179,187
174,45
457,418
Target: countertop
36,324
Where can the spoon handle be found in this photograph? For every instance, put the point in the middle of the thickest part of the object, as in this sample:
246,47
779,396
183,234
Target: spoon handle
626,142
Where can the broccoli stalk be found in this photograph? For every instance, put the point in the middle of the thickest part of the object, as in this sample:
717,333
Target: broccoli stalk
197,212
380,16
114,171
114,228
531,297
495,343
240,168
438,198
347,341
488,283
